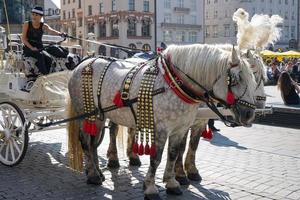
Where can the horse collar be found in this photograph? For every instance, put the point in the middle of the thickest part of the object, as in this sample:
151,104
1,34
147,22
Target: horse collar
180,86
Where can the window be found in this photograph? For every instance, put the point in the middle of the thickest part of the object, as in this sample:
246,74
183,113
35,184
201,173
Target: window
226,14
131,5
131,30
114,26
114,52
146,6
215,30
206,15
91,28
68,1
180,36
193,5
286,15
102,50
146,27
73,30
80,22
167,3
90,11
286,31
101,8
167,36
180,3
207,33
226,30
286,2
69,15
102,30
193,19
79,3
293,28
146,47
180,19
73,13
215,14
132,46
64,2
113,5
193,37
64,14
167,18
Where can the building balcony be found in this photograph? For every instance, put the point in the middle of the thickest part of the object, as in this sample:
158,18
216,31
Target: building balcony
108,38
181,10
184,26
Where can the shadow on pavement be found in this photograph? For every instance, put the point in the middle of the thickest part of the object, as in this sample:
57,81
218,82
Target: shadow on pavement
221,140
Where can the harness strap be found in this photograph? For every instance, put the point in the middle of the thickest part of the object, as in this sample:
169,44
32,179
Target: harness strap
94,112
101,114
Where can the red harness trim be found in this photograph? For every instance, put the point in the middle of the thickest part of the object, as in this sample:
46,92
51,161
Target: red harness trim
172,78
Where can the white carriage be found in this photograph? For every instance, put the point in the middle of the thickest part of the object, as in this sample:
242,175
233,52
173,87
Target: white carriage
24,101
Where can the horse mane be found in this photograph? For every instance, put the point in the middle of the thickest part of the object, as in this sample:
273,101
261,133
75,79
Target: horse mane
205,62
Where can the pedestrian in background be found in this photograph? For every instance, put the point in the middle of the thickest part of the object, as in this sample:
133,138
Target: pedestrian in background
289,89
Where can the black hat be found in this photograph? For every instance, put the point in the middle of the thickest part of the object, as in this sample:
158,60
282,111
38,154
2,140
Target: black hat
38,10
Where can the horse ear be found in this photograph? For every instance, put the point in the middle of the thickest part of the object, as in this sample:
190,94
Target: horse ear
234,56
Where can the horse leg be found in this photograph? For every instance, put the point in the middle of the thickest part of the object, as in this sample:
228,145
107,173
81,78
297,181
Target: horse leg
134,159
112,152
190,165
172,185
151,191
89,146
179,171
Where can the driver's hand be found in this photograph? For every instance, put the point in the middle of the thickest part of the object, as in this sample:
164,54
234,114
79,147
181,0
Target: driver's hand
64,35
34,49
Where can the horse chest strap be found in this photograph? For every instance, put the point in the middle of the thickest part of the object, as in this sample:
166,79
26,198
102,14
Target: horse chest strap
127,82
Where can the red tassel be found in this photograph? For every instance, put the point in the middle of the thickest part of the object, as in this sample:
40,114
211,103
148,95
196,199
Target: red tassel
141,149
230,97
118,100
153,151
207,134
93,129
135,148
90,128
147,149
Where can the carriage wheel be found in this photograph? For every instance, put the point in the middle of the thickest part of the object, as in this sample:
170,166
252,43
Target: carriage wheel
13,134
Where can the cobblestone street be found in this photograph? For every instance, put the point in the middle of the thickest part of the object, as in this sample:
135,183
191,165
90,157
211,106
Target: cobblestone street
261,162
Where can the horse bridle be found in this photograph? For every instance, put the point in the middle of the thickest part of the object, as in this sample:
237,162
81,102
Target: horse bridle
210,98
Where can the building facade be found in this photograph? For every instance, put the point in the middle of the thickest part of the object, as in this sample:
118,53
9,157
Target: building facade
128,23
180,21
220,28
52,14
18,12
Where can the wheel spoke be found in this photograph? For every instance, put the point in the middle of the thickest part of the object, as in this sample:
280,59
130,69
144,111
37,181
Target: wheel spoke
16,146
1,147
7,151
1,124
14,121
12,151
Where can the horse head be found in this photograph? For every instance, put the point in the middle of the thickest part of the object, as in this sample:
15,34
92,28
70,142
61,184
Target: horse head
240,89
259,70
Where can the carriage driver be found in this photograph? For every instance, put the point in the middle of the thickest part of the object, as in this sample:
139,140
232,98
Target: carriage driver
32,33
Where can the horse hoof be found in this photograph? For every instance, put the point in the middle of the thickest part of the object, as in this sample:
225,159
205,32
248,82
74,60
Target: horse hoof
152,197
174,191
95,180
195,177
183,180
135,162
113,164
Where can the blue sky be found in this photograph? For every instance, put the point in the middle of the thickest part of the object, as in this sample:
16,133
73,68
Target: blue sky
57,2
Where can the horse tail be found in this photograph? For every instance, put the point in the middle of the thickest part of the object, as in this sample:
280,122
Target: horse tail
276,32
74,146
